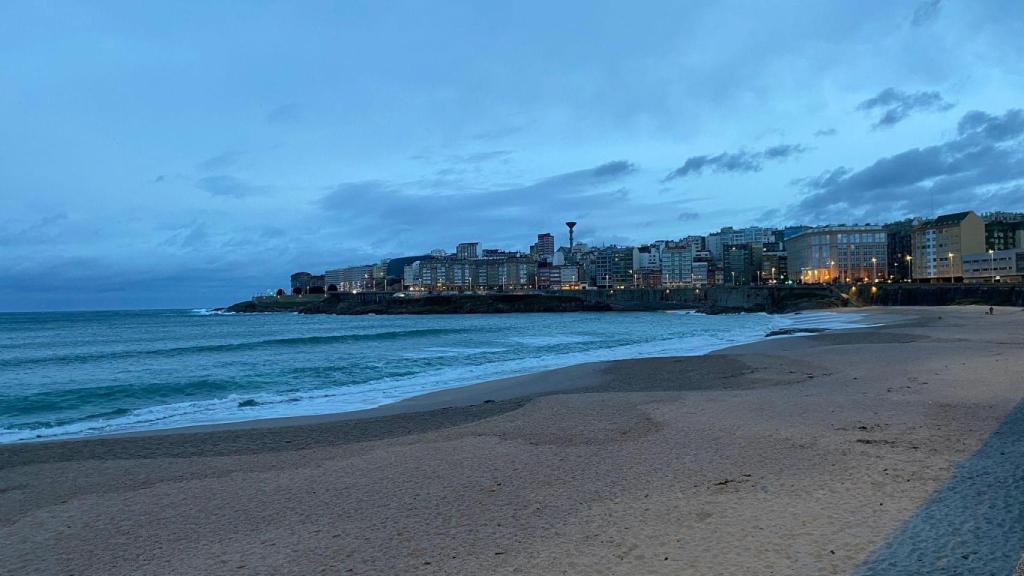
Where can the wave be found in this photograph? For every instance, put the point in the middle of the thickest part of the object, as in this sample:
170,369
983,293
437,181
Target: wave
210,312
232,346
240,400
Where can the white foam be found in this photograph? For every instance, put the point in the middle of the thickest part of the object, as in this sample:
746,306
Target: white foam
386,391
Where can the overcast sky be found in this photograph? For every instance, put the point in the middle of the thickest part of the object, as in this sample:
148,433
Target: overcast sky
186,154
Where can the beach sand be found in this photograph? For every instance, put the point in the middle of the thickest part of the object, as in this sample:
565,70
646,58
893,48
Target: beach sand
896,449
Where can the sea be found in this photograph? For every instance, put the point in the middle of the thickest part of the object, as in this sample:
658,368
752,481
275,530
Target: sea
74,374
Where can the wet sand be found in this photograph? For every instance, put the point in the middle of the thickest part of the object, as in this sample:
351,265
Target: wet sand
886,450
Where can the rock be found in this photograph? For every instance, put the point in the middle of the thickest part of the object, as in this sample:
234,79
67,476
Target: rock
792,331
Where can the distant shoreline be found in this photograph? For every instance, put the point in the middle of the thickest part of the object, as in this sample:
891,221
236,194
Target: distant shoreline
711,300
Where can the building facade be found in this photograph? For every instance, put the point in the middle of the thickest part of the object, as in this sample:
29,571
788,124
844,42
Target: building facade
774,267
613,267
677,265
837,254
899,253
738,264
467,250
995,266
300,282
704,274
350,279
1004,235
939,246
459,274
544,249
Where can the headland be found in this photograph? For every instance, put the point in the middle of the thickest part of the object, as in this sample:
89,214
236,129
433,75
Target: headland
711,300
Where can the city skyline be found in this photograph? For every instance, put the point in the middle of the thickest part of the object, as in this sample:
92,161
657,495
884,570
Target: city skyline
909,250
181,174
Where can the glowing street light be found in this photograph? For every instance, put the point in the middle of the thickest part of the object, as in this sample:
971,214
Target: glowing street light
910,273
951,274
874,269
992,264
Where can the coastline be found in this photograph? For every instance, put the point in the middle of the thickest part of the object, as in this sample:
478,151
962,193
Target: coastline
524,386
813,454
512,389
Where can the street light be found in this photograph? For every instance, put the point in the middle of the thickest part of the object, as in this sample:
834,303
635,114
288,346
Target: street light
874,269
951,275
910,273
992,264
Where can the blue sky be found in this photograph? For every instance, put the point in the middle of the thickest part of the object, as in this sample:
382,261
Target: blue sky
158,154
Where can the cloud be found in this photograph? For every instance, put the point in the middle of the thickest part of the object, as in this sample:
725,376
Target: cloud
742,161
33,233
687,216
926,11
193,236
284,114
429,212
897,105
981,168
420,197
480,157
220,162
825,132
231,186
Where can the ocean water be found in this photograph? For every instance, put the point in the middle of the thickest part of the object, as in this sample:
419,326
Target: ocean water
85,373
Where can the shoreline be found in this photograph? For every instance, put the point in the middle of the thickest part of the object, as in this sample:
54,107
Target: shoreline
521,386
856,451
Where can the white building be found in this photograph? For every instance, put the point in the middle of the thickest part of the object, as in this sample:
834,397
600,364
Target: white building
728,236
646,258
996,266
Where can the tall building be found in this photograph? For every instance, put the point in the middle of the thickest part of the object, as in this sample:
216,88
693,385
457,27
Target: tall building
647,258
1000,216
544,249
729,236
899,250
696,243
677,265
1004,234
467,250
499,253
738,264
939,246
613,267
704,273
837,254
774,267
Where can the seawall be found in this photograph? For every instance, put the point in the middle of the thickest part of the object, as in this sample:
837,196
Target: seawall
713,300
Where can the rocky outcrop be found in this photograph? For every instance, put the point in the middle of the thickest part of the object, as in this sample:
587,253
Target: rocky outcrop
939,295
271,305
713,300
354,304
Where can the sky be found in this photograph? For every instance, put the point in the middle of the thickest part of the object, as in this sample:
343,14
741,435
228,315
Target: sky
191,154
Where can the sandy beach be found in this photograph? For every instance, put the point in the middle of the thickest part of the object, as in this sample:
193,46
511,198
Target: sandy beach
895,449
